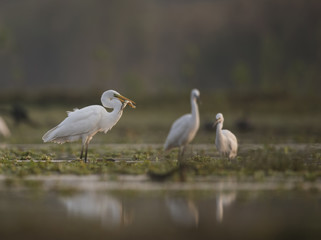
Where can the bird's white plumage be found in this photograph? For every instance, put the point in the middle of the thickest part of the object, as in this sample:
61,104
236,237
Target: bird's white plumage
79,124
84,123
184,128
225,141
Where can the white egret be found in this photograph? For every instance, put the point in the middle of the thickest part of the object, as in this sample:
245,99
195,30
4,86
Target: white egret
84,123
4,130
226,142
184,128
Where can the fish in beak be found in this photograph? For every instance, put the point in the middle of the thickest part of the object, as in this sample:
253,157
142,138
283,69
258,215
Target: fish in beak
123,99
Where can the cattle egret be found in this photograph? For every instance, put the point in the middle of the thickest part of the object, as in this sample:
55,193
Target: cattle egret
84,123
226,142
184,128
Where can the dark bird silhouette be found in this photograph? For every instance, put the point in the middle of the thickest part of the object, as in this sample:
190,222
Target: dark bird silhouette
243,124
20,115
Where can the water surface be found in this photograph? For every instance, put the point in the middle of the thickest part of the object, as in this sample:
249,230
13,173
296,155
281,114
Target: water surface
160,214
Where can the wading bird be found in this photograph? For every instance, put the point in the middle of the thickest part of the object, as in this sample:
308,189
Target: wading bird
226,142
84,123
20,115
185,128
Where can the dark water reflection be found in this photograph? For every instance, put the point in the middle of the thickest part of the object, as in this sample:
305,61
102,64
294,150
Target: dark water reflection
161,215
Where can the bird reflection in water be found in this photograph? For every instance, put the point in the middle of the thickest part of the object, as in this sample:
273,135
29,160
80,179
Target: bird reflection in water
108,210
183,211
223,200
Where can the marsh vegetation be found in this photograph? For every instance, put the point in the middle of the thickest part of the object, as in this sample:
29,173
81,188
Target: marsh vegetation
282,136
126,186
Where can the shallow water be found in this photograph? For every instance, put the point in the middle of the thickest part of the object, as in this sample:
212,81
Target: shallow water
129,206
160,214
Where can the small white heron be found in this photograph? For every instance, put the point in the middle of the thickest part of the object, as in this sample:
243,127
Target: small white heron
84,123
226,142
184,128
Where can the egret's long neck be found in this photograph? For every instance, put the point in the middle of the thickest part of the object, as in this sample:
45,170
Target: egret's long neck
219,135
112,117
219,127
117,112
195,112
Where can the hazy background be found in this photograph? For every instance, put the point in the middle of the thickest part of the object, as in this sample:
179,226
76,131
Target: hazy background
160,45
256,61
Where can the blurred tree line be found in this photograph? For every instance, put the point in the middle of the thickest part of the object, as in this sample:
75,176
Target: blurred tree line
160,45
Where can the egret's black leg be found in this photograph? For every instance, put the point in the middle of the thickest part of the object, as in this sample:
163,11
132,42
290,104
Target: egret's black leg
86,152
181,155
81,153
183,151
182,165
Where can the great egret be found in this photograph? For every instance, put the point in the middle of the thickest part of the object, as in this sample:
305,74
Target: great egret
185,128
84,123
226,142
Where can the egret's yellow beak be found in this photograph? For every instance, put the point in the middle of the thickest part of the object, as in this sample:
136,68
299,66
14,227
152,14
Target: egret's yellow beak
123,99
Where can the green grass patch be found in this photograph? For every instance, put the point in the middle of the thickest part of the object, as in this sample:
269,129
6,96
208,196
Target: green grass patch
258,163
